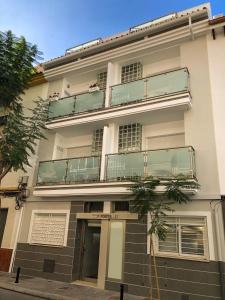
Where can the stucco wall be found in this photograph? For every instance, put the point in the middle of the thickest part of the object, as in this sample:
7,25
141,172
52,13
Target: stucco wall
198,121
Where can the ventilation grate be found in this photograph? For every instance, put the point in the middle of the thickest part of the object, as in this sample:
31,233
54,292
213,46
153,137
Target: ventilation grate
49,266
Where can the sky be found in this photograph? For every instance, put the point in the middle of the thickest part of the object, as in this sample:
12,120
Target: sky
56,25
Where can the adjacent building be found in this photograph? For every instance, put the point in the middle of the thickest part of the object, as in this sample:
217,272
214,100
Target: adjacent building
145,102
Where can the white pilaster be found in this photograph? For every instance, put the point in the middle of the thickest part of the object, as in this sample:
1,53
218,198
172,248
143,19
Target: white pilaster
113,77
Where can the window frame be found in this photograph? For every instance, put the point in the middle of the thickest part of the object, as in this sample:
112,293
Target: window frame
127,138
44,211
128,74
97,141
209,253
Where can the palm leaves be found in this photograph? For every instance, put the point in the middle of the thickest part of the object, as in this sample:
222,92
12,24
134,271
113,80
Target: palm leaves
147,200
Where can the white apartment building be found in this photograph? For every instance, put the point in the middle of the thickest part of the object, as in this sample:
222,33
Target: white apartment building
145,102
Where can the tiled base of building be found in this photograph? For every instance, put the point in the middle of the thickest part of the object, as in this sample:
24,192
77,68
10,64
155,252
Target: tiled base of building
179,279
5,258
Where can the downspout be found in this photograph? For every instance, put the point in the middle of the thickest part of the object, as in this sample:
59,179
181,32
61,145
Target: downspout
16,240
217,216
191,28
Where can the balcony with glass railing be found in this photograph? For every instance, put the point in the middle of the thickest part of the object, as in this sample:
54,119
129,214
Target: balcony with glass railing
163,164
168,83
85,102
69,171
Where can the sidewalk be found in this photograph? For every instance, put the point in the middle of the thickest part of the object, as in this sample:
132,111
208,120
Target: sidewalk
55,290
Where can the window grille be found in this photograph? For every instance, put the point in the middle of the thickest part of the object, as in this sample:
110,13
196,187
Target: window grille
185,236
97,141
131,72
48,229
102,80
130,137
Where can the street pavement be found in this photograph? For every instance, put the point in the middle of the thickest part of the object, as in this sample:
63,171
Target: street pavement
10,295
38,288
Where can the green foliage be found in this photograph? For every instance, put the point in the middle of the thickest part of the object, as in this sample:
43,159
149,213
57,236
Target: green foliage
147,200
16,68
20,135
20,128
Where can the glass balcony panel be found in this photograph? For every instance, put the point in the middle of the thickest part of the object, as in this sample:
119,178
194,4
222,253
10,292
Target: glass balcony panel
83,169
125,93
89,101
52,172
125,166
170,162
167,83
60,108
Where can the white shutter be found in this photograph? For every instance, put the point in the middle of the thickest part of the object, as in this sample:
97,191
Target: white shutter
48,229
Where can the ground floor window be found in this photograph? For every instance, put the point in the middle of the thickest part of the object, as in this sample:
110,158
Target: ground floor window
49,228
120,206
186,236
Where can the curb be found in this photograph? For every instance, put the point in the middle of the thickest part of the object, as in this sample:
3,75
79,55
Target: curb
25,291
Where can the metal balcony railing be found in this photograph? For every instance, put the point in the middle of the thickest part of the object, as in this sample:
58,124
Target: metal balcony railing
76,104
69,171
165,163
151,87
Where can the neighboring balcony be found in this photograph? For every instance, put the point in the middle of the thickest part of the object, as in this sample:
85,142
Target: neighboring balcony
69,171
165,90
81,176
163,164
152,87
77,104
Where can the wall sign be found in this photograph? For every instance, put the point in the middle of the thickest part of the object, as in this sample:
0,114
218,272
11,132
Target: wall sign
105,216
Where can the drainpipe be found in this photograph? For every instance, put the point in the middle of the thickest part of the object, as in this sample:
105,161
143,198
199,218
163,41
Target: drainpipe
16,240
218,217
191,28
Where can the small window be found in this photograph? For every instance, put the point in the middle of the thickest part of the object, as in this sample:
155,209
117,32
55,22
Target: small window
130,137
102,80
121,206
49,228
97,142
186,236
93,206
131,72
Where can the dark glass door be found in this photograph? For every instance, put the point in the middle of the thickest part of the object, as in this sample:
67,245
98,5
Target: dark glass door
91,247
3,217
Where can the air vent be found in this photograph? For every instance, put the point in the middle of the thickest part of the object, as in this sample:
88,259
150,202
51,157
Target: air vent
49,266
184,297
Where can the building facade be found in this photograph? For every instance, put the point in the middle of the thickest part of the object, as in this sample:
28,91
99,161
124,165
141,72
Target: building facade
141,103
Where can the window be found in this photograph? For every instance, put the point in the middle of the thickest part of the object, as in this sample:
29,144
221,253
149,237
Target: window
131,72
186,236
130,137
121,206
49,228
94,206
97,141
102,80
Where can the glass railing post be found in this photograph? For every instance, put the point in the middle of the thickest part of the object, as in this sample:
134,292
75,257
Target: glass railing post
146,88
145,164
67,162
74,105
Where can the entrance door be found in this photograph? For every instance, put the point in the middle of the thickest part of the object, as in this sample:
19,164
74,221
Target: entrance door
91,247
3,217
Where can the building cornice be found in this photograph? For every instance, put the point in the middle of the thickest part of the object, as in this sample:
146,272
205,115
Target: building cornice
37,79
152,43
160,25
